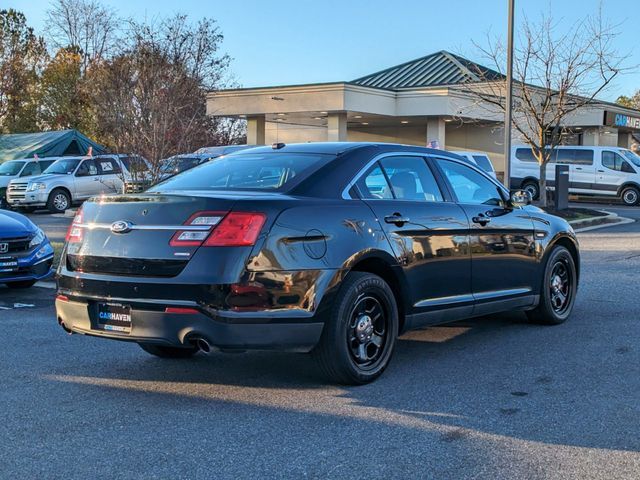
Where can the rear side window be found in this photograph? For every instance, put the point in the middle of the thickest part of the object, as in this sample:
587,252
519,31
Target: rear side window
108,166
525,155
375,185
411,179
267,171
483,162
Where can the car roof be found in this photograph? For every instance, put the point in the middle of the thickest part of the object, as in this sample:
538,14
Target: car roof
336,148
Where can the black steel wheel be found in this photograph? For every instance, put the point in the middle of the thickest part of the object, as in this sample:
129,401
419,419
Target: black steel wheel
558,290
360,331
533,188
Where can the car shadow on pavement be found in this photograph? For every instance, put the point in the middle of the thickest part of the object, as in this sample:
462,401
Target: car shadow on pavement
497,376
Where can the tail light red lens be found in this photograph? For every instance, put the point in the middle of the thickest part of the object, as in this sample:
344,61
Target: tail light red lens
75,233
237,229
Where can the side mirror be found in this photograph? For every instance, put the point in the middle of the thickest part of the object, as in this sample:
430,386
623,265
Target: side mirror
520,198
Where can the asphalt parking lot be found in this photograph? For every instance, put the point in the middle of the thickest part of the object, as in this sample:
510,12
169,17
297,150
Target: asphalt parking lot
489,398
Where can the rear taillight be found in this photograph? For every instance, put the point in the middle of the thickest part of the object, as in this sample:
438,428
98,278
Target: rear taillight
216,229
74,234
238,229
201,224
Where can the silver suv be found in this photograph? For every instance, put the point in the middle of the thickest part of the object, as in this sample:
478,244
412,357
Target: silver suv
68,181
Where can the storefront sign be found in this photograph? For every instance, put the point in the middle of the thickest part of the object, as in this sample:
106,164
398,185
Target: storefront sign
613,119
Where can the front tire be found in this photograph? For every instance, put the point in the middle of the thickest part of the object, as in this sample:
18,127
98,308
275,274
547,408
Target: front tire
164,351
360,331
559,287
59,201
630,196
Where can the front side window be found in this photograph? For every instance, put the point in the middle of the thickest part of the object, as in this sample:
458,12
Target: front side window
613,161
470,186
266,171
32,168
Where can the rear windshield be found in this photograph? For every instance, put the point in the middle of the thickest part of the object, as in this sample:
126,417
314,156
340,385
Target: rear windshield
269,171
179,164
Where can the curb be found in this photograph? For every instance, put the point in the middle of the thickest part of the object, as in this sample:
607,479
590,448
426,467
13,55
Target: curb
46,284
609,215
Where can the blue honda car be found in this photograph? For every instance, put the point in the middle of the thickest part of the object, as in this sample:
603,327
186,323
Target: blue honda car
26,255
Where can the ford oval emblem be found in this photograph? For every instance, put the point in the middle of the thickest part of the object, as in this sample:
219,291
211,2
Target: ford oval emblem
121,227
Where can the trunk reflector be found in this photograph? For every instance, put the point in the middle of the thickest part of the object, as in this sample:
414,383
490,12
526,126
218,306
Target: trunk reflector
181,310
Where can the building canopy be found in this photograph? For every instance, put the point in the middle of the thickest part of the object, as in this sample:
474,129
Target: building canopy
46,144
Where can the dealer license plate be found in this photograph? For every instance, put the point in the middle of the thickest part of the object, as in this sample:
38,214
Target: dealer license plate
114,317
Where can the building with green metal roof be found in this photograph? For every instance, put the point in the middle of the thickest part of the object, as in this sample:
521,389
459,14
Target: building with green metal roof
416,102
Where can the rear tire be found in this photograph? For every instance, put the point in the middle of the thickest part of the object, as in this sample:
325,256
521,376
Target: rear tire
21,284
164,351
533,188
360,331
59,201
558,290
630,196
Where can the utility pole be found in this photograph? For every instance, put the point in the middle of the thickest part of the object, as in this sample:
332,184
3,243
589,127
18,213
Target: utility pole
507,110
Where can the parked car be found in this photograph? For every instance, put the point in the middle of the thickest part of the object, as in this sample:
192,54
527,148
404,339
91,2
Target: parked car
329,259
22,168
180,163
593,171
68,181
26,255
480,159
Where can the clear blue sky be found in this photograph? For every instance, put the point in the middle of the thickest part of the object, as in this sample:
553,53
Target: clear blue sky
305,41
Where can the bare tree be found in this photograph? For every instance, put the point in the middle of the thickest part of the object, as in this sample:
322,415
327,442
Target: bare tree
557,72
86,25
150,99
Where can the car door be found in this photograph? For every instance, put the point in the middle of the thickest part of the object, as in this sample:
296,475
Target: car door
503,253
612,172
111,175
428,234
87,179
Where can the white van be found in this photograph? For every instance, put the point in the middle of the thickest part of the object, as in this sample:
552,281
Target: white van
597,171
479,159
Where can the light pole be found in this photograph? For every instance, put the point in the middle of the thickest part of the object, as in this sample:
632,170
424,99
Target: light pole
507,110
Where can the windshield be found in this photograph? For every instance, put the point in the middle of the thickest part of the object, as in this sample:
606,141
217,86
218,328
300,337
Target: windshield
62,166
178,164
270,171
10,169
632,157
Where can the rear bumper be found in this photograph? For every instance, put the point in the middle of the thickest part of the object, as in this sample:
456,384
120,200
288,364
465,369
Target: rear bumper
152,325
280,310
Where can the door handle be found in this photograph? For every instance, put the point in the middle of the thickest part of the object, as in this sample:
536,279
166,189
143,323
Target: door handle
481,219
396,219
578,168
600,171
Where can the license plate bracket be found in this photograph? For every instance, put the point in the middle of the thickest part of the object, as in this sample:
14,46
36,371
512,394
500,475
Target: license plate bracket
114,317
8,264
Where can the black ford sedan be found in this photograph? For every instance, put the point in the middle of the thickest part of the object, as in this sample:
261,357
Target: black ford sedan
328,248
